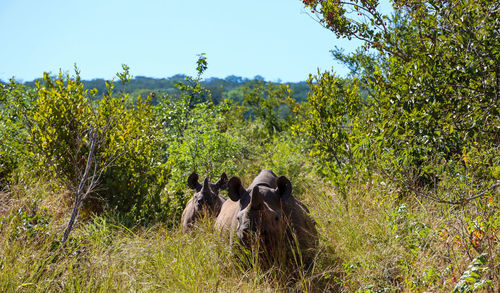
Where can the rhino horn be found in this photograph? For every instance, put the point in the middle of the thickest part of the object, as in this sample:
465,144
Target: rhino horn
204,187
257,199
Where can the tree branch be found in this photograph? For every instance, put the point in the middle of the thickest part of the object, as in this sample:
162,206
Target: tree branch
462,201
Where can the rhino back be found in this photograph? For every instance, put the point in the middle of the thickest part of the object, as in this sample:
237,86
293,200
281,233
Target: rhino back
226,220
188,215
302,225
266,177
218,204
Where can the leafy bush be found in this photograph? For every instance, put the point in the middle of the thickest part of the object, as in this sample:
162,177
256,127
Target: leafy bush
429,125
133,183
329,119
62,125
471,280
12,149
195,136
269,104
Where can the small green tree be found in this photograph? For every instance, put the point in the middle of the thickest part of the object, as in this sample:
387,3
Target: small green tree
132,187
195,137
327,118
12,149
103,152
65,133
431,71
431,122
268,104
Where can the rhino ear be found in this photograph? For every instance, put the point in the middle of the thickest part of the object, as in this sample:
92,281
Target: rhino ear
193,181
284,188
257,199
234,189
222,182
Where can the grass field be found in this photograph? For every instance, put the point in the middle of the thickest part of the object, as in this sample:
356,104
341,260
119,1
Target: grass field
368,243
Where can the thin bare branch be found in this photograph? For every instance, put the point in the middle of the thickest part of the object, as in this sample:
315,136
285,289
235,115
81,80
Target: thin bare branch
462,201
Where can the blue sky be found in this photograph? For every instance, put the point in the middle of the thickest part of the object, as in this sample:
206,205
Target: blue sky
272,38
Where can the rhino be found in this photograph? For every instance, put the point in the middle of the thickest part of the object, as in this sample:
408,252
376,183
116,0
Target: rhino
206,198
268,214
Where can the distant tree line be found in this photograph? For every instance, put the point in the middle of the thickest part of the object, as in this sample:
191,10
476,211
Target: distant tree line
232,87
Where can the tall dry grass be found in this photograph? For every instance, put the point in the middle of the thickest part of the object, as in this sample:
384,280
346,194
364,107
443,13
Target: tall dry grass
369,242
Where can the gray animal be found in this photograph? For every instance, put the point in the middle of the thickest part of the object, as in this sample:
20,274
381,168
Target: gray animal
267,213
206,197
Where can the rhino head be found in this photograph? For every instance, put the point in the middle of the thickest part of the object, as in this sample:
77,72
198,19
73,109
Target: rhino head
206,197
260,217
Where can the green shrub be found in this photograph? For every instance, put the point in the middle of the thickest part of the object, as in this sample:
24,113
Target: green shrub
60,127
195,137
12,149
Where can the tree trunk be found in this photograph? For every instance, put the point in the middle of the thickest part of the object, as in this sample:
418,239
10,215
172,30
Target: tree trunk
72,220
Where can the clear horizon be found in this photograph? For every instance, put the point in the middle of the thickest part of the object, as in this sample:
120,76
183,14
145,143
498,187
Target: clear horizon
277,39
